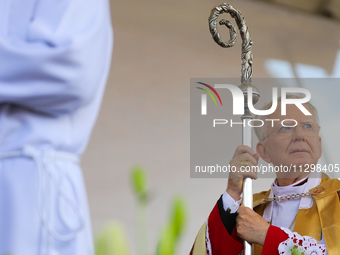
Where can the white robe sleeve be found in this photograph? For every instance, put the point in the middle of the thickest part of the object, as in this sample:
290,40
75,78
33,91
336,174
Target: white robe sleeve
229,202
53,53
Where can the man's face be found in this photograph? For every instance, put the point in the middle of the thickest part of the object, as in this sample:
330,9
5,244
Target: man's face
287,146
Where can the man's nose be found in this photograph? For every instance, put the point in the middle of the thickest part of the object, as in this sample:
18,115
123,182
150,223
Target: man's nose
299,134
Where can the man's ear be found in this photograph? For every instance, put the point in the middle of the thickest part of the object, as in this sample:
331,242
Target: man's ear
261,149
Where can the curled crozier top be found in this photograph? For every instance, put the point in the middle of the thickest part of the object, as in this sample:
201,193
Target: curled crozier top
246,56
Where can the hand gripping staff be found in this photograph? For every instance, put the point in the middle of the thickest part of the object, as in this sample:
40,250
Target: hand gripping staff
246,73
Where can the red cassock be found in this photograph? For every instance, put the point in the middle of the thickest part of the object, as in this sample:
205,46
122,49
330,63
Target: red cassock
221,242
218,234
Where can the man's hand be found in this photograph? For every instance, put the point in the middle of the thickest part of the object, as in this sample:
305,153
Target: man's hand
235,180
250,226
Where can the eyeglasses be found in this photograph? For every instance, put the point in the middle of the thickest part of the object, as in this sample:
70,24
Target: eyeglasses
308,128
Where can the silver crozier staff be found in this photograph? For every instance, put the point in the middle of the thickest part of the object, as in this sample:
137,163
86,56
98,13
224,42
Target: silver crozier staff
246,73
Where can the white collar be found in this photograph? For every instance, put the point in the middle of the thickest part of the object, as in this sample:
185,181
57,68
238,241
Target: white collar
314,179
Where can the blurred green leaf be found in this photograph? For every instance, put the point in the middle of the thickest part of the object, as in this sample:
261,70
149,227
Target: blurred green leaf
167,242
174,228
139,183
112,241
178,216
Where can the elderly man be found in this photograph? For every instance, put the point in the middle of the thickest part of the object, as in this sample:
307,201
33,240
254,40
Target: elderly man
307,222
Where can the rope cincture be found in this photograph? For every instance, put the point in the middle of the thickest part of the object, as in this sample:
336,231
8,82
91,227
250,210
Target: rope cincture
43,161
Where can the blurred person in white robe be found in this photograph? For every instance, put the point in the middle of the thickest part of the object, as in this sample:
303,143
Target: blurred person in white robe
54,63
